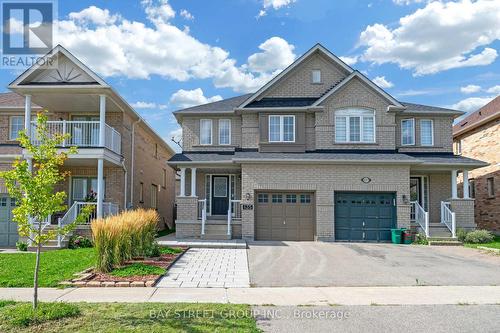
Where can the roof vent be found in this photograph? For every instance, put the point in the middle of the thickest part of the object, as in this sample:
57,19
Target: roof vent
464,124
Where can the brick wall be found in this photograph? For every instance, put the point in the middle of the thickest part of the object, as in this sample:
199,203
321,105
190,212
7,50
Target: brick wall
439,190
324,180
464,213
483,143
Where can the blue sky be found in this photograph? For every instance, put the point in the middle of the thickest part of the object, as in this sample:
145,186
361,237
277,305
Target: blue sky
164,55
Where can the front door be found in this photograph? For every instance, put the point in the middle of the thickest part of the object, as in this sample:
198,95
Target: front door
416,190
220,195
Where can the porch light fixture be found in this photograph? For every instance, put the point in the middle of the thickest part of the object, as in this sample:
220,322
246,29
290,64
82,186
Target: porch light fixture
248,196
366,180
405,199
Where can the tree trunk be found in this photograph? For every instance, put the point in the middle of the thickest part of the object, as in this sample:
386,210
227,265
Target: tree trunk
37,267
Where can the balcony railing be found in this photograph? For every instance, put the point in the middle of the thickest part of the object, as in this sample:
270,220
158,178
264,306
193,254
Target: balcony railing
82,134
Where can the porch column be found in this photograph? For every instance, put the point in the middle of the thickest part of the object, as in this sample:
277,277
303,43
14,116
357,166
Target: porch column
193,182
454,184
183,182
466,184
102,120
100,187
27,115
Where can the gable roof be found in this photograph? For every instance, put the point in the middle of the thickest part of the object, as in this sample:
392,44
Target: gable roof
316,48
12,100
488,112
225,105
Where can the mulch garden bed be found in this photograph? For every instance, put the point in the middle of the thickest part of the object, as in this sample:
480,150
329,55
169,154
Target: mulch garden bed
89,278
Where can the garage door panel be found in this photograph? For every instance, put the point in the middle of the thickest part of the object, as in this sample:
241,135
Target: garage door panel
364,216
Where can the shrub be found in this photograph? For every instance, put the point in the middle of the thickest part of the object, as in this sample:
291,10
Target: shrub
22,246
121,237
461,234
154,250
23,315
79,242
479,237
420,239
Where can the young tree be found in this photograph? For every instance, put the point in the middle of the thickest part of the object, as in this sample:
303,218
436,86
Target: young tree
33,187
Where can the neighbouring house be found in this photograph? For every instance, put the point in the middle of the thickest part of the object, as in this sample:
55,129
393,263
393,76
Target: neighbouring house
121,160
478,136
320,152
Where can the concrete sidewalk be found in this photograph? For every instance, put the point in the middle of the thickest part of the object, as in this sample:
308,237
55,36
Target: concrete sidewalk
424,295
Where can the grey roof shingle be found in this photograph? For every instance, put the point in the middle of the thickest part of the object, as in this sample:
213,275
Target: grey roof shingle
280,102
203,157
227,104
326,156
412,107
448,159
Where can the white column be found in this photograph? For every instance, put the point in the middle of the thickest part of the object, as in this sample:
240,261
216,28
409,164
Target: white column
100,186
183,182
454,194
102,120
193,182
466,184
27,114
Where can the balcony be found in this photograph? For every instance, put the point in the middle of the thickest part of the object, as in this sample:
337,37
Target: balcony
83,134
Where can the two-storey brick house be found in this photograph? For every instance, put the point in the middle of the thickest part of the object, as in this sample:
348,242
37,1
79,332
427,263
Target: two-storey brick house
318,153
121,160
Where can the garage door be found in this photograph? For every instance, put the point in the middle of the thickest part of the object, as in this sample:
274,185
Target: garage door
8,229
284,216
364,216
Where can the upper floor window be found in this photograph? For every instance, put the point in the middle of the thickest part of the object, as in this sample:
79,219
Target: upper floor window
458,147
224,131
206,131
490,183
316,76
355,125
281,128
426,132
15,126
408,132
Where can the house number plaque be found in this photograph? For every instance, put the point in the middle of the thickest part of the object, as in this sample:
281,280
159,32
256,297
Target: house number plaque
247,207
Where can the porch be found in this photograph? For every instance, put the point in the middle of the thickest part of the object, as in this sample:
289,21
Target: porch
209,203
436,209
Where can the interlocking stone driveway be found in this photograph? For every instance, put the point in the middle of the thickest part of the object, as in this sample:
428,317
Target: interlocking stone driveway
209,268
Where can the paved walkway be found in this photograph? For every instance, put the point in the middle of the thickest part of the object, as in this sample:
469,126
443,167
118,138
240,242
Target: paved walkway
170,240
209,268
320,296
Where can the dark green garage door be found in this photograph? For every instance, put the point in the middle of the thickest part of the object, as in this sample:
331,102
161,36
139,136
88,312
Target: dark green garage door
8,229
364,216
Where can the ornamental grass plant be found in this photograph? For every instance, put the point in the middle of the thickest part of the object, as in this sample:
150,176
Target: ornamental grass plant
122,237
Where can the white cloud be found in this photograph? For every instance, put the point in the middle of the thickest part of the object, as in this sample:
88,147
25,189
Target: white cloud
494,90
148,105
382,82
471,103
187,15
276,54
274,4
470,89
139,50
436,38
406,2
186,98
94,15
349,60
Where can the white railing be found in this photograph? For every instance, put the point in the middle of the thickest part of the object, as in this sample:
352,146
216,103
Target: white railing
202,213
82,134
36,224
419,215
234,212
448,218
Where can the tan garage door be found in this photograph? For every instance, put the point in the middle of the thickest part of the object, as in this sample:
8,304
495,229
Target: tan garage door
284,216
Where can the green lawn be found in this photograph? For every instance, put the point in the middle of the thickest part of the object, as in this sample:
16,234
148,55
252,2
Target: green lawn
138,269
151,317
494,245
16,269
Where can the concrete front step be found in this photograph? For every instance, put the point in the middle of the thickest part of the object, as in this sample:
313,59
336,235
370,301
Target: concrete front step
211,236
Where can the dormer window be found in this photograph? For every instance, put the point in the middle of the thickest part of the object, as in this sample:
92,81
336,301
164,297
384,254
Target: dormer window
316,76
281,128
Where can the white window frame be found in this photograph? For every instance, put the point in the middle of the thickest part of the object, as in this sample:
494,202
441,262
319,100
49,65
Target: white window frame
432,132
12,136
312,76
282,128
354,113
458,147
220,121
211,132
413,134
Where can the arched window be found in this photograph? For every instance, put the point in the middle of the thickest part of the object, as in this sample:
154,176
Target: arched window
355,125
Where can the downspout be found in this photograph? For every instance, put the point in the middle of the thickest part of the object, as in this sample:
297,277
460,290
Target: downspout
125,207
132,170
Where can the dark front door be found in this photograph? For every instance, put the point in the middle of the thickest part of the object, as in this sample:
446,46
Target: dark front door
220,195
364,216
416,190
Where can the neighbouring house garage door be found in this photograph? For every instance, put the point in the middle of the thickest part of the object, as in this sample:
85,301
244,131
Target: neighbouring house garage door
284,216
364,216
8,229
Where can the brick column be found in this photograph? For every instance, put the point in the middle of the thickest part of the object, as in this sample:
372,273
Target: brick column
187,209
464,213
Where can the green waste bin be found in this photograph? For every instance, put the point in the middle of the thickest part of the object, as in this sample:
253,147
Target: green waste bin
396,236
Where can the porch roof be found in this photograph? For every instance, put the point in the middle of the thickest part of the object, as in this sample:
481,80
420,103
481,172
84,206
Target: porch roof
448,160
